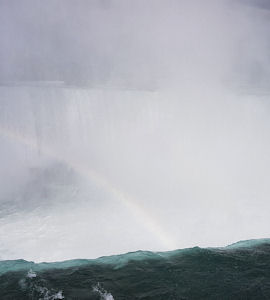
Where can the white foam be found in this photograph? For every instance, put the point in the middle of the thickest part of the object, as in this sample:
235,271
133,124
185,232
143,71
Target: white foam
31,274
104,295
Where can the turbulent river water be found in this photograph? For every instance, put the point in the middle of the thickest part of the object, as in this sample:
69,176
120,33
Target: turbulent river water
238,271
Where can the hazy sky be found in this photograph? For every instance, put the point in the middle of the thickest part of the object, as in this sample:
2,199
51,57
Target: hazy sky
129,125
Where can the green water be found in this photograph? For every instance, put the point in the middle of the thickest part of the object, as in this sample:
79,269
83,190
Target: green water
239,271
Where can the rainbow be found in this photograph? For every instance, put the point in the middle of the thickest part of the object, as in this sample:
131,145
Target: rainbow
143,216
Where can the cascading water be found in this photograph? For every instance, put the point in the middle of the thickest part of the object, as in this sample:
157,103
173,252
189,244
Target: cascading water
134,125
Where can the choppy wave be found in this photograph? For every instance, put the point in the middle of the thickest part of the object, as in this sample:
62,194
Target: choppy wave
36,288
238,271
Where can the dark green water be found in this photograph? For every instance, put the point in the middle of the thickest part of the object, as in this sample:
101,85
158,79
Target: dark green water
239,271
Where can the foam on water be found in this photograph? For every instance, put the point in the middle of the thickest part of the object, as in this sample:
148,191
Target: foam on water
104,295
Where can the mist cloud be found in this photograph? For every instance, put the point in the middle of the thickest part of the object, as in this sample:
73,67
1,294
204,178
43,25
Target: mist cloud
167,101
